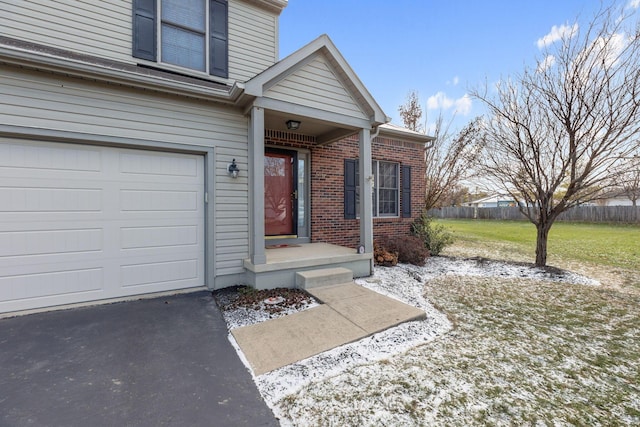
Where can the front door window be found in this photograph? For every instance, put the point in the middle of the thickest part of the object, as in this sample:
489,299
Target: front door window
280,194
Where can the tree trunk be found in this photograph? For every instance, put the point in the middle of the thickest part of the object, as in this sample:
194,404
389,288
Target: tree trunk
541,243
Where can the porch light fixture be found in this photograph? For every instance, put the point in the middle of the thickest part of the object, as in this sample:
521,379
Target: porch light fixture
293,124
233,169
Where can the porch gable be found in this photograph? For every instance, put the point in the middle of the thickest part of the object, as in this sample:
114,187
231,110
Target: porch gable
317,84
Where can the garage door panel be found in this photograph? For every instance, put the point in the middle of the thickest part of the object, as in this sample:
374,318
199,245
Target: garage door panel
50,283
81,224
158,166
30,243
156,200
145,274
44,157
158,237
45,200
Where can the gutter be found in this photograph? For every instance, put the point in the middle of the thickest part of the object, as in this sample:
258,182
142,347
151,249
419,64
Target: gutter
130,75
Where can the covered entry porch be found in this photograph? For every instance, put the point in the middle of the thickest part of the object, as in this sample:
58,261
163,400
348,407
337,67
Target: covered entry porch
316,90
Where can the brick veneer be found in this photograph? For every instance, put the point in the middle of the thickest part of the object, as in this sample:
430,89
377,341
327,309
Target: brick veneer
327,184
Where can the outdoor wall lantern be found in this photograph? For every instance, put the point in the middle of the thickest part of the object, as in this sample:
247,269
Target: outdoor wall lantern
233,169
293,124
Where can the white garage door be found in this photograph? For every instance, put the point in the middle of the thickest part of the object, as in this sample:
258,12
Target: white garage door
82,223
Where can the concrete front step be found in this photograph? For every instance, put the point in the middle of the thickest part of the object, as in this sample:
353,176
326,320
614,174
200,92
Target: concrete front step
323,277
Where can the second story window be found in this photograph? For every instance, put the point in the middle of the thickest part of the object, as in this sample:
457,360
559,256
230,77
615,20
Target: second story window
183,33
191,34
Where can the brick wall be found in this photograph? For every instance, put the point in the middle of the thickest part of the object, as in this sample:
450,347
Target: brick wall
327,184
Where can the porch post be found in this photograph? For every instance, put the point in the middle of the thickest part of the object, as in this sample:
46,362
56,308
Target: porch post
256,186
366,185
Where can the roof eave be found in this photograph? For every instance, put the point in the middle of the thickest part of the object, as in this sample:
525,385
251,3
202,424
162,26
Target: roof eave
406,135
98,72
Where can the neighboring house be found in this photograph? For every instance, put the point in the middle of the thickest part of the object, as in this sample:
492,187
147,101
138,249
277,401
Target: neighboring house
614,198
156,145
493,201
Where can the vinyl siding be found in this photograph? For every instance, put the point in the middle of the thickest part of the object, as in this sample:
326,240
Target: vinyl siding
253,40
44,101
316,85
85,26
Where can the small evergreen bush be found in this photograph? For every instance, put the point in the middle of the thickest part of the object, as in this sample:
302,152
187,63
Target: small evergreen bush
434,237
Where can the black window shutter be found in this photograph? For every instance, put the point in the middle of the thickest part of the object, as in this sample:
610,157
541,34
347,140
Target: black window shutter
350,188
144,29
218,43
406,191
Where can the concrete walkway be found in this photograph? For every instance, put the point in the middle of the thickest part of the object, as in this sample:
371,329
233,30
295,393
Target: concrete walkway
349,312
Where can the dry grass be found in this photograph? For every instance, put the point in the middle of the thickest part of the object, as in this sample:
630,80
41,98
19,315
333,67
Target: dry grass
522,352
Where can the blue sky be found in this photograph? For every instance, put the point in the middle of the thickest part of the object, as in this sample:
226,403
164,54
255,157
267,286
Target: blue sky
440,48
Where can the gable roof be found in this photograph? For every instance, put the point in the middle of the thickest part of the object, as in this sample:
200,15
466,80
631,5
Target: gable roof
337,81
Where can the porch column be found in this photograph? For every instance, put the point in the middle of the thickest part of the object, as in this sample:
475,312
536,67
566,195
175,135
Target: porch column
366,185
256,186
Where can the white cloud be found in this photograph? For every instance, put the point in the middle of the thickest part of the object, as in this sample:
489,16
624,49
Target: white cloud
454,81
440,101
634,4
557,33
609,50
463,105
547,62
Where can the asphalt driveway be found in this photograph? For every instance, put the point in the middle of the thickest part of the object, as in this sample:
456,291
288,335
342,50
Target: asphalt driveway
163,361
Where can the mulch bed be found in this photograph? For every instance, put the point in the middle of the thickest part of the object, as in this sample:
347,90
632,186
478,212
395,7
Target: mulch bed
246,297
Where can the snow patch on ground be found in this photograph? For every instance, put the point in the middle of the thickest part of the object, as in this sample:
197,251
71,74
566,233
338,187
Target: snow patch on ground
404,283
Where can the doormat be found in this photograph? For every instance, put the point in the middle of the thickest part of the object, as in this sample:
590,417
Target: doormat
284,245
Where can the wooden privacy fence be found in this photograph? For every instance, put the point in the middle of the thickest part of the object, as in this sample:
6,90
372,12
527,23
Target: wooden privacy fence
622,214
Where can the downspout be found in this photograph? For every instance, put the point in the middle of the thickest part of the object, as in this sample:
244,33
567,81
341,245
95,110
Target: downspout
375,135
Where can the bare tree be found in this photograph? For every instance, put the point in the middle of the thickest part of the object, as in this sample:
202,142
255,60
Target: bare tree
564,125
411,112
449,161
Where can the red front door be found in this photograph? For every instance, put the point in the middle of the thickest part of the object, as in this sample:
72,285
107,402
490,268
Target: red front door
279,194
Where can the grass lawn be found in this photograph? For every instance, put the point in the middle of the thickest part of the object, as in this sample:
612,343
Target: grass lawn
604,245
522,351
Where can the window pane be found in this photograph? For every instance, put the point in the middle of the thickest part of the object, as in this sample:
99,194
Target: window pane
388,205
184,48
185,13
388,175
357,190
302,195
387,189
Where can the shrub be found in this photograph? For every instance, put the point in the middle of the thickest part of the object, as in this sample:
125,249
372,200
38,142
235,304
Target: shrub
434,237
382,256
406,249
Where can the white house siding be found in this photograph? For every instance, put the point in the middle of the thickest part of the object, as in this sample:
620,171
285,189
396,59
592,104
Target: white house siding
316,85
44,101
252,40
98,28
